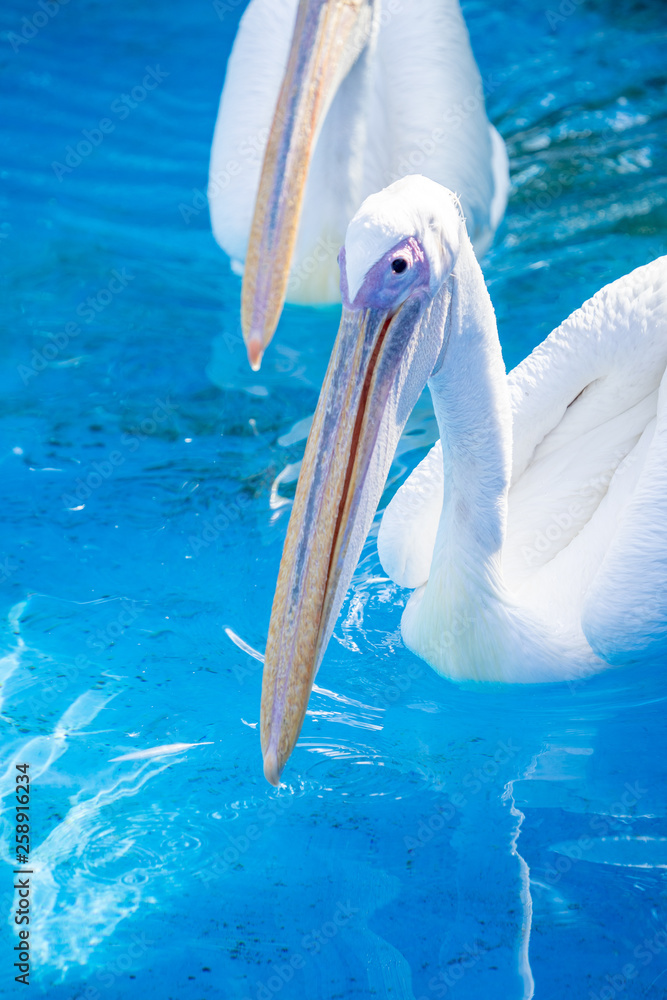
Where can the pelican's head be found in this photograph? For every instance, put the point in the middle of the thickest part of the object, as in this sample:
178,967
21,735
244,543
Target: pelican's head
402,242
396,283
329,36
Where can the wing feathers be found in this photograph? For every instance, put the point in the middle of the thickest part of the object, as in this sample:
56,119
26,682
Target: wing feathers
625,611
410,523
587,510
605,358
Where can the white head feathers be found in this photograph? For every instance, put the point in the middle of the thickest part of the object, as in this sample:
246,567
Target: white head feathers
414,206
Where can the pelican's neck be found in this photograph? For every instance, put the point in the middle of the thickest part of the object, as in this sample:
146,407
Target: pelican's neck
472,407
464,621
458,622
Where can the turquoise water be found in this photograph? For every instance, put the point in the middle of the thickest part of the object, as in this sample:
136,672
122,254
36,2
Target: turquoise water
430,840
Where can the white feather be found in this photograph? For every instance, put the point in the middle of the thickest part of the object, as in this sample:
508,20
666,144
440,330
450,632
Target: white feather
255,70
413,102
579,576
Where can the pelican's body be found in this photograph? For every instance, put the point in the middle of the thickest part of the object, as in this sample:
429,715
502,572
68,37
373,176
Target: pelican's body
399,91
535,531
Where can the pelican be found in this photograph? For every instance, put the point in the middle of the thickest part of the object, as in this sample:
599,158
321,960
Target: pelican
324,102
534,534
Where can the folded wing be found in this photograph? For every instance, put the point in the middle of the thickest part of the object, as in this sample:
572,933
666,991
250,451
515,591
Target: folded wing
586,542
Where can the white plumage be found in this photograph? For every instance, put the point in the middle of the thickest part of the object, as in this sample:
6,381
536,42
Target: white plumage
413,100
580,577
534,533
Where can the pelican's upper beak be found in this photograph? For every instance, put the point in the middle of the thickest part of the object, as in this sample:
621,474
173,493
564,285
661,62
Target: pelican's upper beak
380,364
328,37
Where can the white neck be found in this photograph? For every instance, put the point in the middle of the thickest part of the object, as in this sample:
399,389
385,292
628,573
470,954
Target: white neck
472,407
463,621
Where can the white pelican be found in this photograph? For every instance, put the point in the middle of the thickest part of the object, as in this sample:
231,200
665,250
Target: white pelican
535,531
324,102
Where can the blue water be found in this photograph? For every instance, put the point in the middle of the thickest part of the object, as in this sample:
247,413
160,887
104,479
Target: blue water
430,840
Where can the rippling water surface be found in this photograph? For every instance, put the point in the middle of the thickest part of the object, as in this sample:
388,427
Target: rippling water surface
431,840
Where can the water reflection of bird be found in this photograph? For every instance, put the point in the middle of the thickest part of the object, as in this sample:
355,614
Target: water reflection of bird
534,532
337,99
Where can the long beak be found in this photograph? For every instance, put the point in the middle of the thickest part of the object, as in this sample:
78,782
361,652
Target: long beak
360,414
328,37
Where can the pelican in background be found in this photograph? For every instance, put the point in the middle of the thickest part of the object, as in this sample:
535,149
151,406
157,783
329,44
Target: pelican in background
535,531
324,102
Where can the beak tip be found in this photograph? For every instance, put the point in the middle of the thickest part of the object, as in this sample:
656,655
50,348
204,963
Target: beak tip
255,353
272,770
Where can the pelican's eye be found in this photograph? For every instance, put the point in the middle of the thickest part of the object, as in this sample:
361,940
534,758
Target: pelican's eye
399,265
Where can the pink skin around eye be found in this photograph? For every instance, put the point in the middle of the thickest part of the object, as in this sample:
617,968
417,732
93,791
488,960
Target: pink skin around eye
384,288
